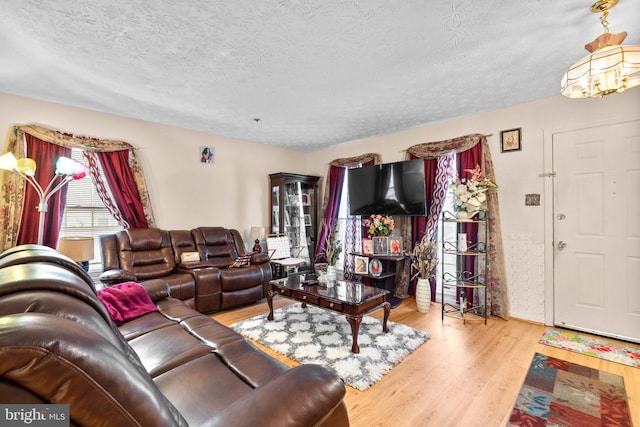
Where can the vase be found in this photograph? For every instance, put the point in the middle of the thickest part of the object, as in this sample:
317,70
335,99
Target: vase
423,295
331,273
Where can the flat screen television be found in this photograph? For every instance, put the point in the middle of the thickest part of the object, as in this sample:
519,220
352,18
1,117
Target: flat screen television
389,188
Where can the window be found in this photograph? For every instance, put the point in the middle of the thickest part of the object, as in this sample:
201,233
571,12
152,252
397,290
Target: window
85,215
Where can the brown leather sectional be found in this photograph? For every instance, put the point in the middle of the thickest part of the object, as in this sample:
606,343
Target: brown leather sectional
171,367
208,285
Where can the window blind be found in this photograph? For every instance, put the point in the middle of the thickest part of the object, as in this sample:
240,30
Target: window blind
86,216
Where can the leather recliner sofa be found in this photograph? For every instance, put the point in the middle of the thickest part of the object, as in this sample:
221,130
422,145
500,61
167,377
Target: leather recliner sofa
207,285
170,367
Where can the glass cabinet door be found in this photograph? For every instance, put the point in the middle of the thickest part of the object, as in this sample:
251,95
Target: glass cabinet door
275,209
294,211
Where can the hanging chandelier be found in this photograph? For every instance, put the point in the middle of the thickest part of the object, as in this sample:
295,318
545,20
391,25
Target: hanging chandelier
610,68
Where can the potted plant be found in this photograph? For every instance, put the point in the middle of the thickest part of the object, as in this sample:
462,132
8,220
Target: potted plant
333,248
424,261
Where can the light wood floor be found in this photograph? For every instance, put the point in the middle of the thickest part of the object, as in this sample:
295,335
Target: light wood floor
464,375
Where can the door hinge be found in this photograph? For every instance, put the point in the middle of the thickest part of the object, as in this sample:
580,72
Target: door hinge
549,174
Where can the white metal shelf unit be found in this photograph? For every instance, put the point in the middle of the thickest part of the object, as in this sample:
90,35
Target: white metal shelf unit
464,292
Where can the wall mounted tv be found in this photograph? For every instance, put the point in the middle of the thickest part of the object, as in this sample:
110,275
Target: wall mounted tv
389,188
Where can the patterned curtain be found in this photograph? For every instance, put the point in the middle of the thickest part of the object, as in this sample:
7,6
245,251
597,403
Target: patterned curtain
331,204
12,186
496,275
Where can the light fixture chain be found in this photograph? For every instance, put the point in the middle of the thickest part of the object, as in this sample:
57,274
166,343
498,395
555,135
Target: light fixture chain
603,20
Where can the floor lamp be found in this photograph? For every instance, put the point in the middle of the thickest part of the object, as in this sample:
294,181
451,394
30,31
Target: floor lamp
66,170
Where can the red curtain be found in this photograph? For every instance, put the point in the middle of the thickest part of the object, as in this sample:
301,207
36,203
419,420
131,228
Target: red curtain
45,155
419,223
336,181
118,173
469,160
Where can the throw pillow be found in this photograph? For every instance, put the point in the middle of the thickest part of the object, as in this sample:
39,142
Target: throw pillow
241,261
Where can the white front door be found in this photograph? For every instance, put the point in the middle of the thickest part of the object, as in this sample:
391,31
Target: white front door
596,214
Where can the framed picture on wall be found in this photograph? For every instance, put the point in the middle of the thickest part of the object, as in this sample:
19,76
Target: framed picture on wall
305,200
510,140
307,220
207,155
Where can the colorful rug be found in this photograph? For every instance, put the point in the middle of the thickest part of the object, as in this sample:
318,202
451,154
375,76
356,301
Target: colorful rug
589,346
560,393
314,335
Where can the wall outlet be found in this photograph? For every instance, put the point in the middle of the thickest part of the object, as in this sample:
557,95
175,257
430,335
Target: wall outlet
532,200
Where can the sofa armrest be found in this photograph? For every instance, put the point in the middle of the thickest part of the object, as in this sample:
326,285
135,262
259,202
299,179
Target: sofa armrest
157,289
115,276
301,396
259,258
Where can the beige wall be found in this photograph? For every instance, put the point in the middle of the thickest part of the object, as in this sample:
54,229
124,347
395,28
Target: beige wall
517,173
184,192
233,192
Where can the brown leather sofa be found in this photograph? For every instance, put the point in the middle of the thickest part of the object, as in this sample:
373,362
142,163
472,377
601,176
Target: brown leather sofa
171,367
207,285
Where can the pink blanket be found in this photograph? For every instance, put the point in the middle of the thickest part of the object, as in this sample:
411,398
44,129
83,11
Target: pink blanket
126,301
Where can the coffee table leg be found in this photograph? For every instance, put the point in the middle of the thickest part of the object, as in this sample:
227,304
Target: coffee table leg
270,302
387,310
354,321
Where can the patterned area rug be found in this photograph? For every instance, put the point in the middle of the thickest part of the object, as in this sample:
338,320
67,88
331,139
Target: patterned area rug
314,335
586,345
559,393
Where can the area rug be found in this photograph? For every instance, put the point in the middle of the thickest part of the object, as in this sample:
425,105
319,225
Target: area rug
314,335
589,346
560,393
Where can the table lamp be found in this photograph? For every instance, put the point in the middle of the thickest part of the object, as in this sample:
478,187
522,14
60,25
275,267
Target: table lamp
79,249
257,233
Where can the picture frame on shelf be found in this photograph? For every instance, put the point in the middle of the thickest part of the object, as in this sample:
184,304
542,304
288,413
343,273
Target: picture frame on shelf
306,201
307,220
395,246
380,246
510,140
361,264
320,268
367,246
375,267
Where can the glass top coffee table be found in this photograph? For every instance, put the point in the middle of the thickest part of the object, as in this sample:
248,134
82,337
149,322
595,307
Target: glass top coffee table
352,299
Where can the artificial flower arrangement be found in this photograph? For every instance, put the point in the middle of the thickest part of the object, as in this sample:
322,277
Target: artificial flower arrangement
379,225
469,193
423,258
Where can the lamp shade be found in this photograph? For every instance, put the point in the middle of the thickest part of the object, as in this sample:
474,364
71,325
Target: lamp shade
8,162
79,249
257,232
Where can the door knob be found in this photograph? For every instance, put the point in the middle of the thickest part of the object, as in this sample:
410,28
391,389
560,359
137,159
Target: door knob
562,245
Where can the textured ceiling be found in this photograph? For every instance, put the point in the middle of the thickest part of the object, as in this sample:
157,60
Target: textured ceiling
316,73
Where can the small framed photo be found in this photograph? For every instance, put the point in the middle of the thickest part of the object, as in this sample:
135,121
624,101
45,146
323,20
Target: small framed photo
362,265
207,154
367,246
510,140
375,267
395,246
307,220
381,246
305,200
320,268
